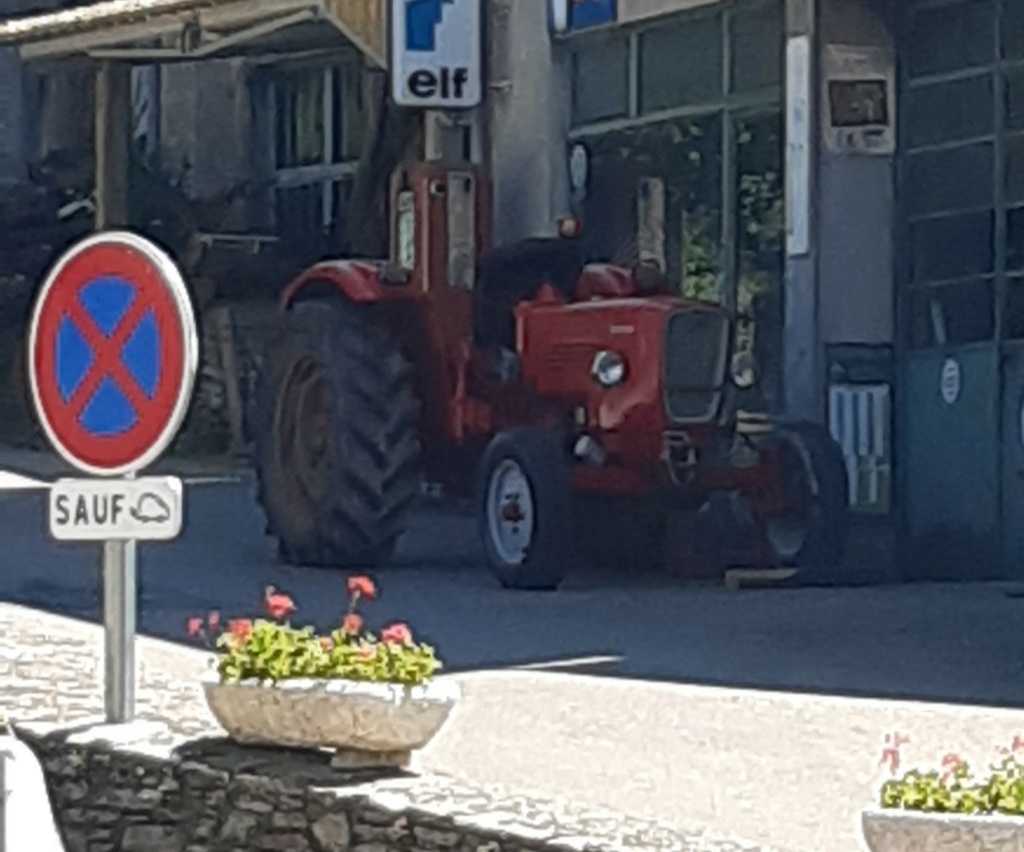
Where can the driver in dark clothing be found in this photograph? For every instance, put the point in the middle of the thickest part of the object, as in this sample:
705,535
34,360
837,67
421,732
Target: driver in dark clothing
514,273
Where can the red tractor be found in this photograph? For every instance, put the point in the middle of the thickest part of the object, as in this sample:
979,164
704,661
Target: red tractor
606,409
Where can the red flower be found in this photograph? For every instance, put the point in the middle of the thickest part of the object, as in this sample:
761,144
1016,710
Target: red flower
278,606
891,752
352,624
362,587
950,764
195,627
213,620
397,634
240,628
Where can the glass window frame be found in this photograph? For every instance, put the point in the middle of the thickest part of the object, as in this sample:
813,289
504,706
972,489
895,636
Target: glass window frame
338,156
995,69
732,106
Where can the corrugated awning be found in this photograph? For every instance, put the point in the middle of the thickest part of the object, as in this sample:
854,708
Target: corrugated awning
197,29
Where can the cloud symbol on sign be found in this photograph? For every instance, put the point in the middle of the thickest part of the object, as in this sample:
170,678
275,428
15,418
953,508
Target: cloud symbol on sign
151,509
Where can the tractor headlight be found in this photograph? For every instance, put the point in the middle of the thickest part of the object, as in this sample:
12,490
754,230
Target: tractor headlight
608,369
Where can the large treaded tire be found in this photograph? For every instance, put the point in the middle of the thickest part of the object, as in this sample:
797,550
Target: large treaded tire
819,551
535,459
347,508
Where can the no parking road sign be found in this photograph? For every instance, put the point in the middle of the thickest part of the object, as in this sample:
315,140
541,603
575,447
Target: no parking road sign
112,354
112,361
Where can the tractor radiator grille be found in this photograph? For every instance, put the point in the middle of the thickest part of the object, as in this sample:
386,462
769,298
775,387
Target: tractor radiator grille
696,348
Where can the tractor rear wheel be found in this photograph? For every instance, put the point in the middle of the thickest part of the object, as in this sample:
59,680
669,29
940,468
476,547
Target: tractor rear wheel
337,446
812,533
524,509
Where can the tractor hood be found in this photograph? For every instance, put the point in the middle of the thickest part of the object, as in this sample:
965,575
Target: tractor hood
661,359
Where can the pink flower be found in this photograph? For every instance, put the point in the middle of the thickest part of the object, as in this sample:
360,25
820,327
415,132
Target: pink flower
891,752
278,606
240,628
352,624
327,643
213,620
195,627
950,764
397,634
362,587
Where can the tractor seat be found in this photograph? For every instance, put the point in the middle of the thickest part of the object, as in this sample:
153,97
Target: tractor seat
514,273
604,281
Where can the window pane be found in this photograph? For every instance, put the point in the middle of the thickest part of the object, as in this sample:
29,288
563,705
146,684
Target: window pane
757,48
949,38
950,180
601,81
1013,29
681,64
948,112
686,155
299,214
1014,184
350,118
760,208
1015,308
1015,99
952,247
1015,239
300,118
952,315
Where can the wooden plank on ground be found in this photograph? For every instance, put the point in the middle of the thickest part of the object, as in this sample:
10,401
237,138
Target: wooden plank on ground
757,578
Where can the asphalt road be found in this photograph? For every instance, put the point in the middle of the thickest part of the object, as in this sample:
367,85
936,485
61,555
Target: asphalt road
936,642
623,720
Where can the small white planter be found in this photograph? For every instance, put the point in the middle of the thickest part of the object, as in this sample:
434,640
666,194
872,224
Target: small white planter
895,830
368,723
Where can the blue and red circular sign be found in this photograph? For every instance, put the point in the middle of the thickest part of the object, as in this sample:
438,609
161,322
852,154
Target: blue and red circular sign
112,354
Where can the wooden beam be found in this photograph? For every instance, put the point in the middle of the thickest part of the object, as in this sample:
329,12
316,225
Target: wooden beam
81,43
47,38
758,578
113,132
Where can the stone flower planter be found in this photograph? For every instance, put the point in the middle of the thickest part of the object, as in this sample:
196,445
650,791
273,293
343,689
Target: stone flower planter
908,831
368,724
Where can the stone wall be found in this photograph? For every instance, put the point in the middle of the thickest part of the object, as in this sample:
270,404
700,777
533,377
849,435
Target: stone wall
158,794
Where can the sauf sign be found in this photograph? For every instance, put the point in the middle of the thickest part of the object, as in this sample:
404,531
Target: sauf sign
113,353
435,53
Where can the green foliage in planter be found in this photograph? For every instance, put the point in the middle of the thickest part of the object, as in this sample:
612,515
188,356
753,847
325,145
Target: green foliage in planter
271,650
955,790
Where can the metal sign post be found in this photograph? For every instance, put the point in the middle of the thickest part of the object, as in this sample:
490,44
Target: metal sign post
119,606
113,357
3,798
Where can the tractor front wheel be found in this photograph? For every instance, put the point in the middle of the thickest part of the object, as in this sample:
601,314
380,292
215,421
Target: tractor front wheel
811,532
525,509
336,433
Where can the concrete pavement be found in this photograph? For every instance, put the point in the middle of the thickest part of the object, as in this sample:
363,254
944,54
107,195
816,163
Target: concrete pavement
773,769
650,736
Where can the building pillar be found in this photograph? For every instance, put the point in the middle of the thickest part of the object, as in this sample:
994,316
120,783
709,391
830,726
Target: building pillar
527,121
113,132
803,386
